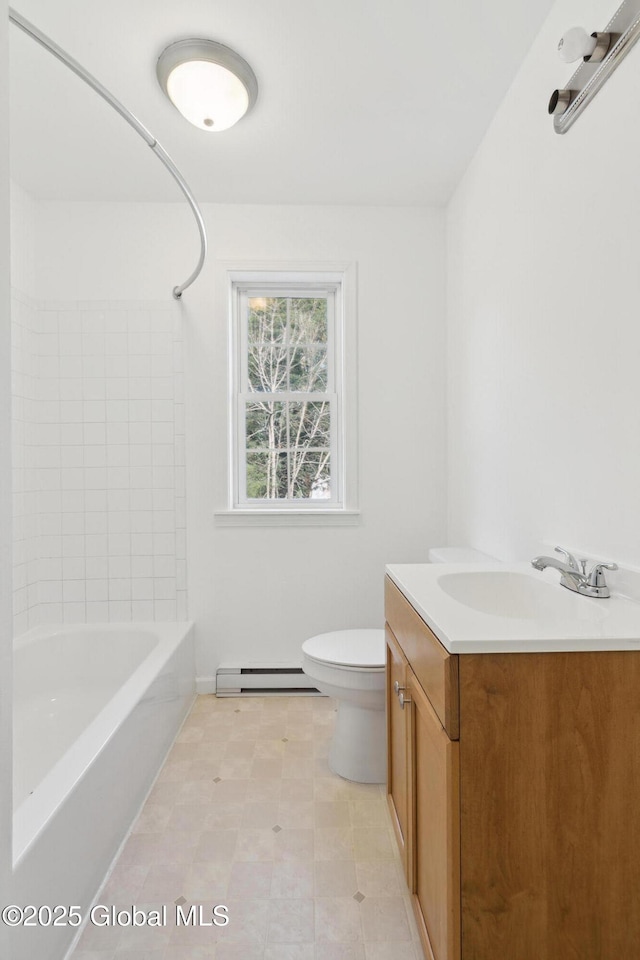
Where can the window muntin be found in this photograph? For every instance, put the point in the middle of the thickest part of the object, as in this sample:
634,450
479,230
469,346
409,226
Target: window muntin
288,431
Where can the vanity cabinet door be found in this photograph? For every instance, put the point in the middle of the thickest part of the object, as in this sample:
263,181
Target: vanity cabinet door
397,737
434,833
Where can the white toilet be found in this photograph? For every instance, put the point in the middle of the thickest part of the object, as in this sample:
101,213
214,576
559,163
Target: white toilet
349,665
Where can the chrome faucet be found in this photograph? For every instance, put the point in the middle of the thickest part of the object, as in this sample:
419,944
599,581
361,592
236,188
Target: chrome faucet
574,576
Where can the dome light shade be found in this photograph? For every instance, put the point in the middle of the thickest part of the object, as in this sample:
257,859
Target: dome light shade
210,84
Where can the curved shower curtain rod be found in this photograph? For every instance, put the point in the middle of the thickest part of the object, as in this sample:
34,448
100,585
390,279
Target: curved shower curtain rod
150,140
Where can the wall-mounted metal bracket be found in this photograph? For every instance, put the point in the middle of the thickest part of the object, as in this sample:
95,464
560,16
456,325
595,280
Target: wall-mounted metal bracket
624,30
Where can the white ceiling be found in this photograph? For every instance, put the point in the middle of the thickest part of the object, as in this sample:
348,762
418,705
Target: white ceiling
360,101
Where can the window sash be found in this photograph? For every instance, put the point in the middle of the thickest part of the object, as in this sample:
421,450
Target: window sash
242,293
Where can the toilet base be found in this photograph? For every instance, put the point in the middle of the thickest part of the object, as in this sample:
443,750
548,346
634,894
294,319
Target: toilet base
358,749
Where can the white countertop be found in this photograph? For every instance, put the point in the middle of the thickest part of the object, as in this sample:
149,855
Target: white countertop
560,622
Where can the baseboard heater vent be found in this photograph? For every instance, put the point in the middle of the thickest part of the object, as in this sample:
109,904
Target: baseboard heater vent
263,680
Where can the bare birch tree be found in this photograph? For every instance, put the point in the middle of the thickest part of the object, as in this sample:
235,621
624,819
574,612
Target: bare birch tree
288,453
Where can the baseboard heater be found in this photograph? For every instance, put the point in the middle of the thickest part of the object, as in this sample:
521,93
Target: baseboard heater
263,680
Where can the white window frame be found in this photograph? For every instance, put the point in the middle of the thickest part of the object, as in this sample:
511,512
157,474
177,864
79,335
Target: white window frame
338,281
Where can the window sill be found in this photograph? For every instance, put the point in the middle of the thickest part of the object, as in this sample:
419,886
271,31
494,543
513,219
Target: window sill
287,518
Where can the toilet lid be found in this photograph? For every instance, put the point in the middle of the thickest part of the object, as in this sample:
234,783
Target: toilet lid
348,648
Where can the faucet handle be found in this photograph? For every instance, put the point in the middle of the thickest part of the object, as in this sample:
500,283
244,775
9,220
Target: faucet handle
572,563
596,577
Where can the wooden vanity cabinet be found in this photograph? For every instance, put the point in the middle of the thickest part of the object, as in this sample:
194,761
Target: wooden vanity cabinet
397,734
514,788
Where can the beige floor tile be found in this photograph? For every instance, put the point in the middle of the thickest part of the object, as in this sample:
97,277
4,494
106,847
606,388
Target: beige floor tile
291,921
79,954
239,749
296,814
321,767
178,846
291,879
204,768
249,731
235,790
289,951
332,813
339,951
191,935
238,951
255,843
368,813
334,843
164,882
262,769
216,845
239,768
124,884
259,814
332,788
191,732
124,952
174,770
372,843
298,788
236,768
384,918
296,749
335,878
208,952
392,951
321,747
98,939
337,919
272,730
378,878
206,880
189,816
182,752
296,768
195,791
263,790
272,749
218,730
164,793
293,845
248,922
251,879
295,730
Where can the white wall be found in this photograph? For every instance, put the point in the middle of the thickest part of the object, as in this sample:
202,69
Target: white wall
258,593
5,478
544,335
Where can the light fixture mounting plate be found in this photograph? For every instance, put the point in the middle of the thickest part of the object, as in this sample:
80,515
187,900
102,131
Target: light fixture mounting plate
624,30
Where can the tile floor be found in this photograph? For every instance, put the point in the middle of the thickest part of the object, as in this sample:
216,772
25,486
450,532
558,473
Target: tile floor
246,813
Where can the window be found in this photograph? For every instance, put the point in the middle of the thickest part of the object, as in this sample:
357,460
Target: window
288,403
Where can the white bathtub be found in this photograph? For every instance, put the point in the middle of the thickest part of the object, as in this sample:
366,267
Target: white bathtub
95,710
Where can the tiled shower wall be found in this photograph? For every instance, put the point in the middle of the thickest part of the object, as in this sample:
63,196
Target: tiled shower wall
24,378
99,455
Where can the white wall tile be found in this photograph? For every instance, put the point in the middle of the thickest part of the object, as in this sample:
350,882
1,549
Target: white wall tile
119,610
97,590
142,610
94,447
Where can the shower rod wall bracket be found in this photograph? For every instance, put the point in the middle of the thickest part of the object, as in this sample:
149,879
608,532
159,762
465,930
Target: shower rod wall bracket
133,121
623,31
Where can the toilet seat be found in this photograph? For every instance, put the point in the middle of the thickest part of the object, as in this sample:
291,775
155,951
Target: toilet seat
348,649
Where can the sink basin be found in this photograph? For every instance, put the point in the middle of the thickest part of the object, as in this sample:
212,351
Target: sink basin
513,594
500,608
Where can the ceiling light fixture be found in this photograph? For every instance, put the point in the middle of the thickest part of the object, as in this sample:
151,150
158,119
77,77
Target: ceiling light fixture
599,55
210,84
